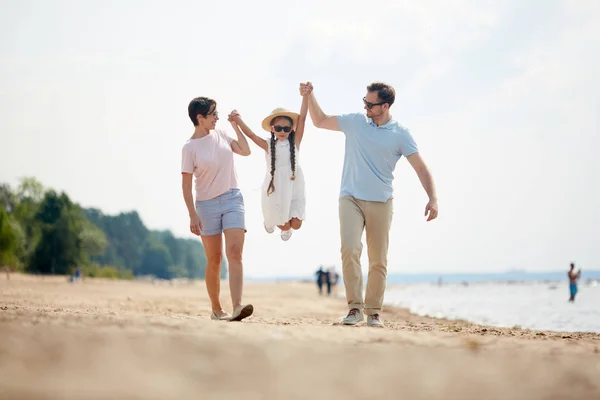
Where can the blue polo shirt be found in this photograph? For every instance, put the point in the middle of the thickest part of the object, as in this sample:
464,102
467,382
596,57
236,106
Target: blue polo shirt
371,155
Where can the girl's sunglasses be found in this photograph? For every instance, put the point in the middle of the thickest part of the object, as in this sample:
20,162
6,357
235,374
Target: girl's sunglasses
286,129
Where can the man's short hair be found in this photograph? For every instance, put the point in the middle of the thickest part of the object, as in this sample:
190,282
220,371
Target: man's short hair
385,92
200,105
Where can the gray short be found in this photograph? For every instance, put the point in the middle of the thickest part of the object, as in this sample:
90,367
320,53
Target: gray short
221,213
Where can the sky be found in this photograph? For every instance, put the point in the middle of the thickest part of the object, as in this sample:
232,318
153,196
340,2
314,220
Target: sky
502,98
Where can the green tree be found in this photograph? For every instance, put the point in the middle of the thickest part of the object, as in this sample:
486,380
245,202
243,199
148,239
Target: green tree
194,258
11,240
30,188
126,235
93,239
23,205
8,199
48,233
60,248
156,261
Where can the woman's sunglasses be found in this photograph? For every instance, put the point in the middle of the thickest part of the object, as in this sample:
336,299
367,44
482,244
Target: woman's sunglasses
286,129
371,105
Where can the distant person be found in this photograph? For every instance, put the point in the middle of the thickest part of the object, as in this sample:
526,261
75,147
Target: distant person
219,207
373,145
323,278
76,276
573,279
333,276
283,196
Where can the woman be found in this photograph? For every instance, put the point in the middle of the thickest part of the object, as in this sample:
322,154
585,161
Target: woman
219,207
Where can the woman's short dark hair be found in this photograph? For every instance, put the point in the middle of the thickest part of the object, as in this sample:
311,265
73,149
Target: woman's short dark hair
385,92
202,106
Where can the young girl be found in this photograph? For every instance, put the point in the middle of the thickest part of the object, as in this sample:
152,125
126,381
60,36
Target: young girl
283,193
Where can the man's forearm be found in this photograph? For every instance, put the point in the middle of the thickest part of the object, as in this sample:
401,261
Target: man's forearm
427,182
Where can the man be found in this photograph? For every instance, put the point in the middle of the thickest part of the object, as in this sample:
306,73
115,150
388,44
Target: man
573,278
374,144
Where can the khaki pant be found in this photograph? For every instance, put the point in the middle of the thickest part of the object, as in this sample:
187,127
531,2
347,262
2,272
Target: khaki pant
376,217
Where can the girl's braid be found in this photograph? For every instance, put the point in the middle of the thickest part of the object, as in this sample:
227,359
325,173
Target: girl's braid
271,187
293,154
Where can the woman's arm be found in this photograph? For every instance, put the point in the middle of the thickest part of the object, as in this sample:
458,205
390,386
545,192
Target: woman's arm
240,146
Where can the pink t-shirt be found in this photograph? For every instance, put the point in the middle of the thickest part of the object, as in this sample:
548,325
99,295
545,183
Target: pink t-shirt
210,159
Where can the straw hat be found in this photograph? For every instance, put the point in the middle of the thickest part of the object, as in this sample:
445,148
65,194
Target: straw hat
279,112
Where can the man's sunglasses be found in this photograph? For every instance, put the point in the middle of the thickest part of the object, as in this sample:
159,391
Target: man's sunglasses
286,129
371,105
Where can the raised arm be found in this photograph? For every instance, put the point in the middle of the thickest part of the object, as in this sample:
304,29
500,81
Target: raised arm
301,122
318,117
260,142
239,146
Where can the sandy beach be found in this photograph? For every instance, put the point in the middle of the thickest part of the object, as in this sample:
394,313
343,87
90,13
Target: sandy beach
134,340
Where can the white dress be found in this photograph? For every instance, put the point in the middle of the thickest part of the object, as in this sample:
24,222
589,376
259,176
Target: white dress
289,198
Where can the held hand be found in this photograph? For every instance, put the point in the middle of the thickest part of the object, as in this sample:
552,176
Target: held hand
233,116
432,209
195,225
306,88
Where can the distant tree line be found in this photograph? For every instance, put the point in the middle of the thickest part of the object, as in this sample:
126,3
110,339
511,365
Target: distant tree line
45,232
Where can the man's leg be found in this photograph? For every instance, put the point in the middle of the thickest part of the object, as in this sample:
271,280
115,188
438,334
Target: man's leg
352,223
378,220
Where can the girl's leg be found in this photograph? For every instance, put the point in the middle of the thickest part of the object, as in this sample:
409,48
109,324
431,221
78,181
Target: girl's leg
214,254
286,231
295,223
234,246
285,227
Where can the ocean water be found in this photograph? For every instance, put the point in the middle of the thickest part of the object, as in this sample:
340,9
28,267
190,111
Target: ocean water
540,306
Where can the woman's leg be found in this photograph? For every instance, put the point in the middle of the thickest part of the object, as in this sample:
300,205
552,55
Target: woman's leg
295,223
234,228
234,246
213,246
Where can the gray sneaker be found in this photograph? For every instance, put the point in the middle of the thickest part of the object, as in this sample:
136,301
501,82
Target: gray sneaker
269,230
286,235
354,317
373,320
